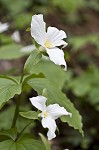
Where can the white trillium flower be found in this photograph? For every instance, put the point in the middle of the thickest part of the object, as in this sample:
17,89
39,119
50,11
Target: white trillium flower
3,27
49,40
16,36
28,48
48,114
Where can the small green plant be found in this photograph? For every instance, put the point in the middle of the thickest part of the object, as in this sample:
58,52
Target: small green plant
42,72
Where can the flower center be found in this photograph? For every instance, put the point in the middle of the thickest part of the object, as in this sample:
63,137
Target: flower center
48,44
45,114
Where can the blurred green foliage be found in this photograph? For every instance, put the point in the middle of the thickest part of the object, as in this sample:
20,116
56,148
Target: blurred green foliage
79,42
15,7
22,20
11,51
70,6
85,85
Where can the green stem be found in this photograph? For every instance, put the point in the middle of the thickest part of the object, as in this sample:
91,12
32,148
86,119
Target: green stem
24,129
17,106
16,112
22,77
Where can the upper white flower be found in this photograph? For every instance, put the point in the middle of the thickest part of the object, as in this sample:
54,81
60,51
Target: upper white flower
49,40
3,27
49,114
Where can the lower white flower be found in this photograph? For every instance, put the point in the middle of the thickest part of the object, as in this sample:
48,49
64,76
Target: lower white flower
49,114
3,27
49,40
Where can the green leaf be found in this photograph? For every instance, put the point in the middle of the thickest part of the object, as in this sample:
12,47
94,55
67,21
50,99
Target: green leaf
32,60
28,29
6,118
30,115
11,133
25,143
51,71
45,141
3,138
56,96
11,51
6,123
6,145
8,88
14,79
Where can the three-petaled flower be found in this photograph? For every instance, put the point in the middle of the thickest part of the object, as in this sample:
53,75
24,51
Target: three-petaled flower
49,40
48,114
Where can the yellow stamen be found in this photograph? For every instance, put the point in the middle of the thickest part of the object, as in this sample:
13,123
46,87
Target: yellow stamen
45,114
48,44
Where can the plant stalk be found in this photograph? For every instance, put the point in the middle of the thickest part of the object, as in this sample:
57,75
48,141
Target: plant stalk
22,77
16,112
17,106
24,129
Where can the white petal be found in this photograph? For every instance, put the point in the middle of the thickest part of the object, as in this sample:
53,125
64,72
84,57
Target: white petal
16,36
39,102
57,56
59,43
28,48
38,29
3,27
55,111
51,125
55,36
